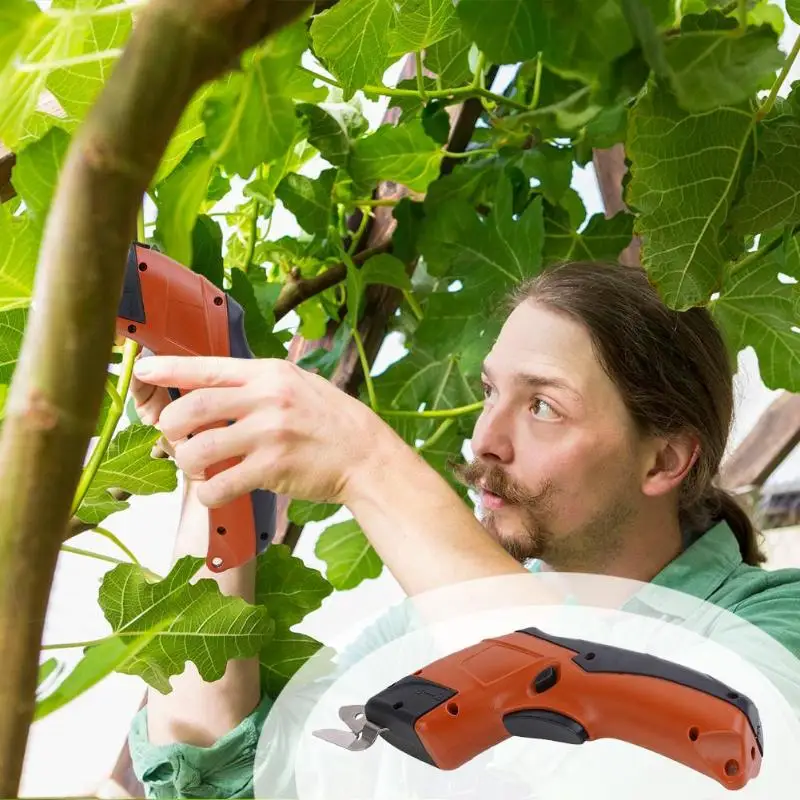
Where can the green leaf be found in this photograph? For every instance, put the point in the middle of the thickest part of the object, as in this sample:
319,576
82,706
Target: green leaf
127,465
793,10
683,172
301,512
713,64
12,329
207,250
333,131
189,130
179,199
601,240
353,40
286,587
404,154
283,655
458,242
349,556
98,662
36,172
41,39
772,190
421,23
20,237
258,329
449,59
252,120
382,269
16,16
205,626
576,37
46,669
76,87
424,378
756,309
505,30
309,199
551,166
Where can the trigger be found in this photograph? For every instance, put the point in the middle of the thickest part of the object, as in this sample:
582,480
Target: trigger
538,723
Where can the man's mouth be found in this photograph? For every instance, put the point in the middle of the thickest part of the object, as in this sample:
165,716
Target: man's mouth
491,501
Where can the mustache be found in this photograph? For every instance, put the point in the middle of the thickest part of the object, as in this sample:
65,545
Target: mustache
494,479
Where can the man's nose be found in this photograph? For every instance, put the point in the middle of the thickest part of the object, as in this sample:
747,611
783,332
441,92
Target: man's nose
491,438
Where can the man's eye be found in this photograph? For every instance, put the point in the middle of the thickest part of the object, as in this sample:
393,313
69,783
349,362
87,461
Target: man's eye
486,389
543,405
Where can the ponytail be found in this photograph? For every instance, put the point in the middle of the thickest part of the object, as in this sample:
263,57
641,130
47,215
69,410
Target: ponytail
715,505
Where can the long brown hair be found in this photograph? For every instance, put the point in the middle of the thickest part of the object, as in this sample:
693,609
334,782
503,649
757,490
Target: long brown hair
672,368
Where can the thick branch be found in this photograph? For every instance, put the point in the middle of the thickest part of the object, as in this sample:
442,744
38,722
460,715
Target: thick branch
58,385
298,290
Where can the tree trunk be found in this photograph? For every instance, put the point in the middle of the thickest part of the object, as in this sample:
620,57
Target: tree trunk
58,385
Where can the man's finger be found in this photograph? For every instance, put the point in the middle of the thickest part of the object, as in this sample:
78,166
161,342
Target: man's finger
194,372
211,447
202,407
238,480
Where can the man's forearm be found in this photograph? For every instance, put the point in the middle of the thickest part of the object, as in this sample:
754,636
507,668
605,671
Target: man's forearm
197,712
422,530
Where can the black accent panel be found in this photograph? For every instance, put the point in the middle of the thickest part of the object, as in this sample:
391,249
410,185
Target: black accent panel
399,706
597,657
539,723
265,503
546,679
131,304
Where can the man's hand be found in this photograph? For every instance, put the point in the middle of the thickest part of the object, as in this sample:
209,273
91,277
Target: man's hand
295,432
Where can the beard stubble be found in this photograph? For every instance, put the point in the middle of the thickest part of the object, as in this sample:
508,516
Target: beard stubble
585,549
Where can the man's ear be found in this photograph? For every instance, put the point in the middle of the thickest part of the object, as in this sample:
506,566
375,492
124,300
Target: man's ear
670,459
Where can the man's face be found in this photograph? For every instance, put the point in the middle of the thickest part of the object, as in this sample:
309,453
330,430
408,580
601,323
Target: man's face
556,453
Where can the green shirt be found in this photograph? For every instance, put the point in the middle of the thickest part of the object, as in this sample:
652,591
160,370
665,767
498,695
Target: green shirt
711,570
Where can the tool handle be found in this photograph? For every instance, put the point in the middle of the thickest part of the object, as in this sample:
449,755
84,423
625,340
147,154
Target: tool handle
173,310
534,685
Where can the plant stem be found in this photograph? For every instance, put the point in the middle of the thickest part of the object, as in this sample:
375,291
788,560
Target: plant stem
420,76
766,106
436,435
61,63
487,151
253,233
438,413
460,93
110,424
362,226
373,400
67,645
140,234
383,203
91,13
757,255
414,305
477,80
537,84
115,539
742,15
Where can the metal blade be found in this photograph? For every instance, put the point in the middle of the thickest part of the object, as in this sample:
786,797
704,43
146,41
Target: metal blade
362,732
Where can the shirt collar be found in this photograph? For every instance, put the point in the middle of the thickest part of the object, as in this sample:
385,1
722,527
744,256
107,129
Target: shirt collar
698,571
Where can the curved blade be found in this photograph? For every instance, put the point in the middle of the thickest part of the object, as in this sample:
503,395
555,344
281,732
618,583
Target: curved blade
362,732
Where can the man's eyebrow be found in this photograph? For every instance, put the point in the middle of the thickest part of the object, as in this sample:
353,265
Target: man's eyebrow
537,380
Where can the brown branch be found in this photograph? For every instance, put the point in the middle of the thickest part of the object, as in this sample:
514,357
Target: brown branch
298,290
58,385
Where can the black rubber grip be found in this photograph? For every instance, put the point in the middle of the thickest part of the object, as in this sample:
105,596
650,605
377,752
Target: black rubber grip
597,657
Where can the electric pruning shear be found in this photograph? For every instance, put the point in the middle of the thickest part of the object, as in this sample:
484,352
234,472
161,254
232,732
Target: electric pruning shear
172,310
535,685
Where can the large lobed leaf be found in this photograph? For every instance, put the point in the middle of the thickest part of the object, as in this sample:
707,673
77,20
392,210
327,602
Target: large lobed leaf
684,174
205,626
127,465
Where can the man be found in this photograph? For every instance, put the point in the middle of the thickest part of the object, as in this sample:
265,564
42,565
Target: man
606,417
